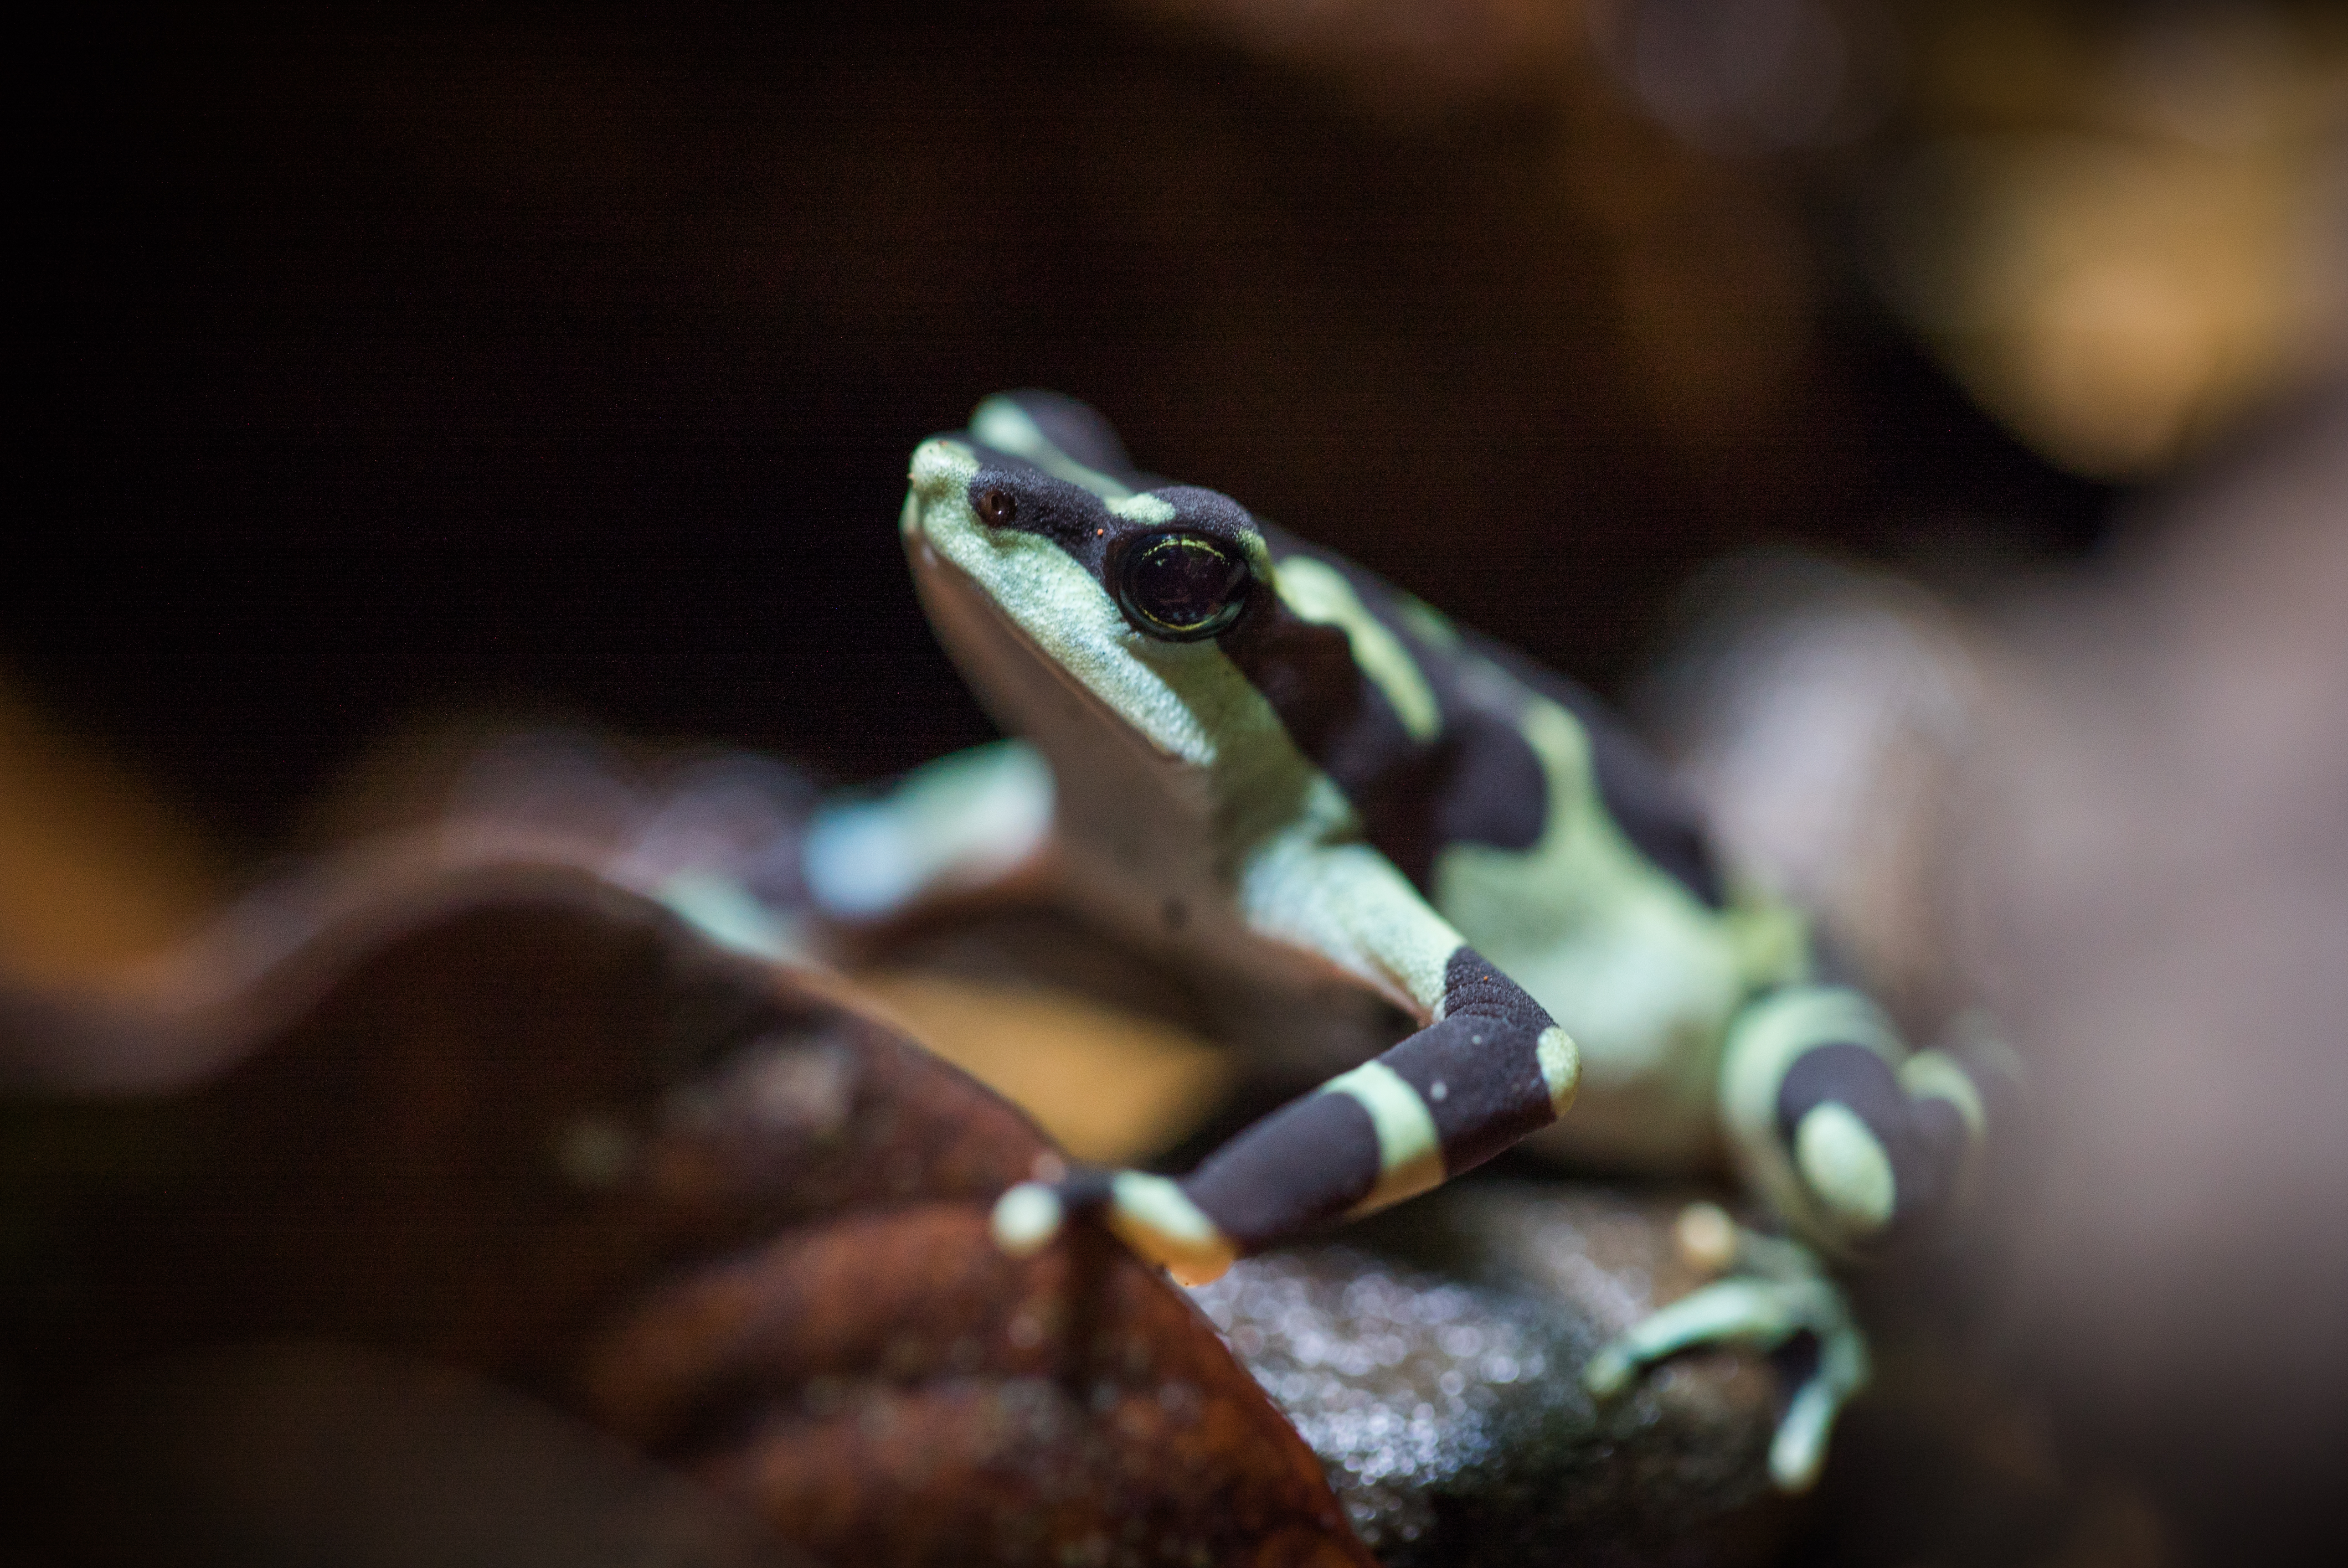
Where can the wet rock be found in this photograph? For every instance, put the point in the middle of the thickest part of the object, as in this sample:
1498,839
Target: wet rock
1433,1360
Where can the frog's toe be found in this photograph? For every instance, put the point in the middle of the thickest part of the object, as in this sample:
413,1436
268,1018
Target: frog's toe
1798,1452
1155,1217
1151,1215
1799,1449
1762,1313
1027,1218
1732,1312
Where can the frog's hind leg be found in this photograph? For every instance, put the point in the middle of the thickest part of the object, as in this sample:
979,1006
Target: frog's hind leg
1851,1141
1777,1291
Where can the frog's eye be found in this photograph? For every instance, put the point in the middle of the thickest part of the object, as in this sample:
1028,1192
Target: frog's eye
1181,587
996,508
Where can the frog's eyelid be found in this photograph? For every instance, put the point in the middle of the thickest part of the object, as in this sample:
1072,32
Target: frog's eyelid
1154,510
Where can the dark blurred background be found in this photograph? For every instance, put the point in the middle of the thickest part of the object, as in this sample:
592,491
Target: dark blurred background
386,361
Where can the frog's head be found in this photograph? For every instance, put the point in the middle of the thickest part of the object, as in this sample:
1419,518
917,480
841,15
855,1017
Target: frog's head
1044,560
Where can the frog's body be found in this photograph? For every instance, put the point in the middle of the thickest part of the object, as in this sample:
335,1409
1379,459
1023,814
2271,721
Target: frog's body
1269,766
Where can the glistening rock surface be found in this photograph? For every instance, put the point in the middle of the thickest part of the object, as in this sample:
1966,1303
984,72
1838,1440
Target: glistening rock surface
1433,1361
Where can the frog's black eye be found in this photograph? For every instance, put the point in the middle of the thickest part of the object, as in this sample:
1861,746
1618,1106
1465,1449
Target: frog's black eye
1181,587
996,508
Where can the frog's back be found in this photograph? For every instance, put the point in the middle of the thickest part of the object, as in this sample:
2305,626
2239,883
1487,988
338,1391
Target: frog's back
1427,735
1533,821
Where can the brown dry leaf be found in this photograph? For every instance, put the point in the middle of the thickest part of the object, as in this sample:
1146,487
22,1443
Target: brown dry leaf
292,1455
466,1098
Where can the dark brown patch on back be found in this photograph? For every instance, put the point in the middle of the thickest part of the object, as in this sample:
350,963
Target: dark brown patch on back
1479,781
1306,671
1655,814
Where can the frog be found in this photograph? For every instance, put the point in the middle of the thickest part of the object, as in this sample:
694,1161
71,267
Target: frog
1242,753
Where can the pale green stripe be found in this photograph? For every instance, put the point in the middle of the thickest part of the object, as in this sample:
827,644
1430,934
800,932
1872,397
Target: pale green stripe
1001,423
1318,592
1410,1151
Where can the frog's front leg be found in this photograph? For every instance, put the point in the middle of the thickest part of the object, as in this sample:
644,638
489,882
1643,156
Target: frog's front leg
1852,1142
1491,1067
958,825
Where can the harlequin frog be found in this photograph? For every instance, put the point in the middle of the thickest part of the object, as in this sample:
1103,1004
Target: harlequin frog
1266,764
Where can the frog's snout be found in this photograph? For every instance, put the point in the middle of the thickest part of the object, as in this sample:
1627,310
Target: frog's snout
939,470
939,476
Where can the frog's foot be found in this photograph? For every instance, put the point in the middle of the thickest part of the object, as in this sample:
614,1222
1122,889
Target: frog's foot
1151,1215
1780,1291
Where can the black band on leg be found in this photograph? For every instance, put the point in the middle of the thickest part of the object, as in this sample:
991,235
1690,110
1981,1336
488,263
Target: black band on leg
1479,1069
1472,988
1085,1190
1481,1082
1306,1162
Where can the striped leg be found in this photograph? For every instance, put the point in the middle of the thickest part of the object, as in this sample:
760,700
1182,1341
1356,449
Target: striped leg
1852,1142
1849,1138
1490,1069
